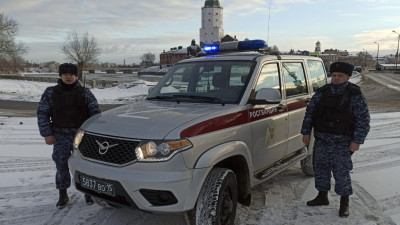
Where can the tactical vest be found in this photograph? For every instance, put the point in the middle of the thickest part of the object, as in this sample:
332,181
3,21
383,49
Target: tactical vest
333,114
69,107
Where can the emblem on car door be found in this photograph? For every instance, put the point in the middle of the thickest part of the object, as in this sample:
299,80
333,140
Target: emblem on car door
103,147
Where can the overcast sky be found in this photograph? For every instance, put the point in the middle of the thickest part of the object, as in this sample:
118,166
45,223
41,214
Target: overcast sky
125,29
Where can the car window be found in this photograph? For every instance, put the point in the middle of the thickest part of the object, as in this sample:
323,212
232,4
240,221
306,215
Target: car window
222,80
269,77
294,76
317,74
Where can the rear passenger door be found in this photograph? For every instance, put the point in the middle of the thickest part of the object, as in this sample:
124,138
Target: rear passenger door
297,95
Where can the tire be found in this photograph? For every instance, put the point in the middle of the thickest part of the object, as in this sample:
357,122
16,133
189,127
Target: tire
308,163
218,197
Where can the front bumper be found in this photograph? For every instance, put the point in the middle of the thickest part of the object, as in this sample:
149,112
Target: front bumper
137,185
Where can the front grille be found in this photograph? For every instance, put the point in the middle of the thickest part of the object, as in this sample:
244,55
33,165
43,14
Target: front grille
122,153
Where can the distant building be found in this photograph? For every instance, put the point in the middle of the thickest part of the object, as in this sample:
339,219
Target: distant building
333,55
329,57
227,38
173,56
318,47
211,30
338,52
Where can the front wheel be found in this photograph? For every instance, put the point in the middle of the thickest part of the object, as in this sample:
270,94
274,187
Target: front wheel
218,197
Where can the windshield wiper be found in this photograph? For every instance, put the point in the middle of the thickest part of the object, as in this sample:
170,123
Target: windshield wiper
200,98
160,97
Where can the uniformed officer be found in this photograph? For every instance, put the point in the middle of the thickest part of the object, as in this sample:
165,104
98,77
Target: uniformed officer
62,110
339,114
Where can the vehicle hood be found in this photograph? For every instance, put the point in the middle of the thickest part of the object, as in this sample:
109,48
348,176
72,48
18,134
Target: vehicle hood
147,119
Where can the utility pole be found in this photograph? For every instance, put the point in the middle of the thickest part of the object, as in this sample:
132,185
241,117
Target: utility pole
377,56
397,53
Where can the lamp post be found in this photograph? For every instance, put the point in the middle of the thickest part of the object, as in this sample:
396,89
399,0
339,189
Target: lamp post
398,39
377,56
365,60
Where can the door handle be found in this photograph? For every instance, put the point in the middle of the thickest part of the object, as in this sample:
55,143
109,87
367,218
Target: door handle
281,107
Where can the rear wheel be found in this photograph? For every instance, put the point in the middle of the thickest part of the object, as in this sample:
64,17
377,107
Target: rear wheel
218,197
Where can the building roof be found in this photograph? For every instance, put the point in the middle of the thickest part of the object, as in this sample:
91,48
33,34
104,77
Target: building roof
176,51
211,4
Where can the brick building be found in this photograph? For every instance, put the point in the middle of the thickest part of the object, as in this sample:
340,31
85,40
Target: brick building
173,56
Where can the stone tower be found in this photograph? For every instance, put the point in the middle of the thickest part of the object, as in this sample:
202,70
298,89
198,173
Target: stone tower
211,30
318,47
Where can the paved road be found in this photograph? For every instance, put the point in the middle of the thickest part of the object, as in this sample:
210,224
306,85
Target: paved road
28,109
382,91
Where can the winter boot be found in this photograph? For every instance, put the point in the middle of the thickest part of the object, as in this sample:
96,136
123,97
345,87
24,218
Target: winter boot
344,206
88,199
62,201
321,199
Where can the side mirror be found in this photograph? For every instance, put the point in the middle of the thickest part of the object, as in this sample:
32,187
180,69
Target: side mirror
267,96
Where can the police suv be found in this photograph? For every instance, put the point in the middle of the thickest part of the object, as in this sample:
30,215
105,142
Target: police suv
210,130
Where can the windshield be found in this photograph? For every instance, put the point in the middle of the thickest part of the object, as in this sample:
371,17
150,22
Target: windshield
215,82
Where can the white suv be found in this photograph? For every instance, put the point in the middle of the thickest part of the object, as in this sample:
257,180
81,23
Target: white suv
210,130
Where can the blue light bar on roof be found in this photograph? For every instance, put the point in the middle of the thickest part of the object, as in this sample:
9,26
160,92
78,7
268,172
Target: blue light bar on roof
211,48
235,46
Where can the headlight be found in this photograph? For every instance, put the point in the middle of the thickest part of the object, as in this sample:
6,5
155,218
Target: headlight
78,138
160,151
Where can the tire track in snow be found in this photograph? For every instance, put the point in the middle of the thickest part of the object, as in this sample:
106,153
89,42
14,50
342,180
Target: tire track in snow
17,165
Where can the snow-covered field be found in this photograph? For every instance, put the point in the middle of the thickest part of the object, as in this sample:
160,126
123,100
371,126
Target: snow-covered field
28,194
29,91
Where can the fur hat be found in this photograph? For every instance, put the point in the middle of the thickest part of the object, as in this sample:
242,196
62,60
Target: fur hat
342,67
68,68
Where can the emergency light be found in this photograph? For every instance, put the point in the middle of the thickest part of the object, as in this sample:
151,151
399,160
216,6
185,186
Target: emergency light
252,45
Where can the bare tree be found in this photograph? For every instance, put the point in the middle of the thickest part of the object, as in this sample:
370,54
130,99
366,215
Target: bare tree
81,49
10,51
148,59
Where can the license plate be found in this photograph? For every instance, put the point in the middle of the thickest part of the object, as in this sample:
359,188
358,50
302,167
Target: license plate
97,185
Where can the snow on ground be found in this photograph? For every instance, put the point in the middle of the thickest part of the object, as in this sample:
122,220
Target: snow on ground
28,194
20,90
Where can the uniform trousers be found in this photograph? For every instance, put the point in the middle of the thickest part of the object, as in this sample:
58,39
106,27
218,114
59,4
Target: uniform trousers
61,152
333,158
